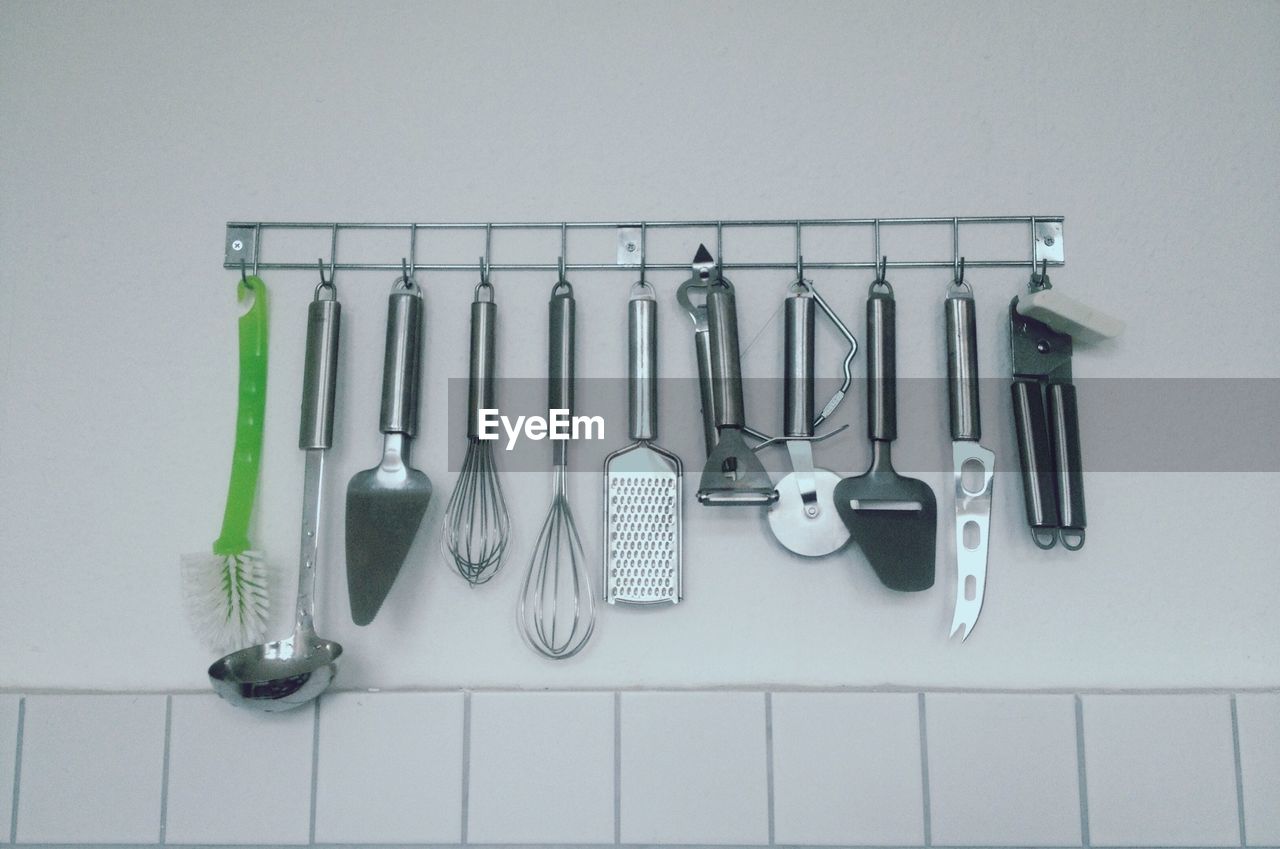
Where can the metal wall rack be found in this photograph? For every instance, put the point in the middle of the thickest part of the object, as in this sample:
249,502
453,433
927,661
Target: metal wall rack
245,243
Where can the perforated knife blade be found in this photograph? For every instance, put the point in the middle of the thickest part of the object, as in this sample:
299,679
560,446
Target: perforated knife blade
974,466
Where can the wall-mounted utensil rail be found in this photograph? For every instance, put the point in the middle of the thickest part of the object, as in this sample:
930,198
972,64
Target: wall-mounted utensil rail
245,243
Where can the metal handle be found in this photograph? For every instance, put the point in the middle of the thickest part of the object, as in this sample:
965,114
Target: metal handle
320,374
642,383
797,389
702,347
1064,425
726,365
560,354
400,361
962,367
480,388
882,369
1035,460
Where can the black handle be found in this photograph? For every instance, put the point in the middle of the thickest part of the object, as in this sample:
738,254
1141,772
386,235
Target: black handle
882,368
1036,460
1064,423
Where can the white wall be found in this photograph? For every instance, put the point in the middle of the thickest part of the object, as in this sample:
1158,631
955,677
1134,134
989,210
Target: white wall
132,133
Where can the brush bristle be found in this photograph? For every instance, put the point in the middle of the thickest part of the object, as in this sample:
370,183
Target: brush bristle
226,598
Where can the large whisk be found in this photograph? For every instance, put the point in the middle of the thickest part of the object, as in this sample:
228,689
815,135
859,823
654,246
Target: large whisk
557,608
477,525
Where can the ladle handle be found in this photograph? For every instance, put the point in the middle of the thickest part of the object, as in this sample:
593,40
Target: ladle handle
797,388
962,367
401,361
642,380
882,370
480,388
320,374
726,365
560,383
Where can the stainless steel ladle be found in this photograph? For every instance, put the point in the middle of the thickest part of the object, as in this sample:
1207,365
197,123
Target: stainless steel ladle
289,673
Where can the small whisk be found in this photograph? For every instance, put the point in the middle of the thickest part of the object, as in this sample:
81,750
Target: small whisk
557,607
477,525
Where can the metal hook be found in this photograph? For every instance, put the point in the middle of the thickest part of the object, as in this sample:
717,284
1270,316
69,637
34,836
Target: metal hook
560,265
1040,280
960,273
880,272
325,283
484,272
243,277
643,225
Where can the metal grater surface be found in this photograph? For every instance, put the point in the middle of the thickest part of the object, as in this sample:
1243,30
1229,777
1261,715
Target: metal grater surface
642,516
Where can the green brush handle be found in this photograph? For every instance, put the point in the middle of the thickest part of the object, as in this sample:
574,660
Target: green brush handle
249,417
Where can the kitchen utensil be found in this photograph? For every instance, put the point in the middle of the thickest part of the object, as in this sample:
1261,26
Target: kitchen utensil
733,474
1048,440
226,591
287,673
557,608
804,518
642,482
973,466
892,518
385,504
477,525
704,271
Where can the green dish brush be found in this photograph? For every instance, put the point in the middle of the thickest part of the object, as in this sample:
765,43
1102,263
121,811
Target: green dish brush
227,591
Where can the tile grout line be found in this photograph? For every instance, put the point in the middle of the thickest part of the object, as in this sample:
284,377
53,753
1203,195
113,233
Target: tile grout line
768,763
1082,776
466,766
17,770
924,772
315,769
1235,743
617,767
164,771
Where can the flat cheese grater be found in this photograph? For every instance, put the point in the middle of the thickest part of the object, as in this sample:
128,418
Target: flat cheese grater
642,482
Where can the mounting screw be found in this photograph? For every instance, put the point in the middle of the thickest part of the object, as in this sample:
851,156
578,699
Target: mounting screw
1043,346
1048,241
237,245
632,247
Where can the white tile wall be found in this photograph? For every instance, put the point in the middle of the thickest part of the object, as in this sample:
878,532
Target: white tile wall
9,708
1259,722
390,768
92,769
729,768
1003,770
238,776
541,768
1161,770
846,769
694,768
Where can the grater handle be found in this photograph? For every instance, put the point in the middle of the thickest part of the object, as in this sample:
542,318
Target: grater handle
797,390
642,374
726,365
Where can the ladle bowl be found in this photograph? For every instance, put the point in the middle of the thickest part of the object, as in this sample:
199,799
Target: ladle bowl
277,676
